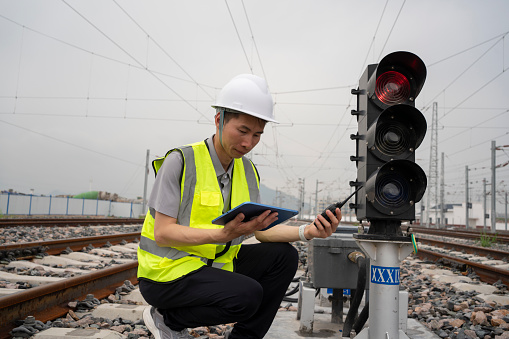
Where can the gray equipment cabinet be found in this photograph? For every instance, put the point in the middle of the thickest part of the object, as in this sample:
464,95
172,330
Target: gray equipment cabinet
329,267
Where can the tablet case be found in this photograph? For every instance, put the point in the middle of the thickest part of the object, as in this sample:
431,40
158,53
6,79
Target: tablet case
253,209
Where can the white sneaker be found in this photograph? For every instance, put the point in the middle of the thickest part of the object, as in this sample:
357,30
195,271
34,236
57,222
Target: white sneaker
155,323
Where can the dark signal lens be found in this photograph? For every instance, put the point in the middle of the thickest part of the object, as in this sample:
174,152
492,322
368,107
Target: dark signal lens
392,138
392,191
392,88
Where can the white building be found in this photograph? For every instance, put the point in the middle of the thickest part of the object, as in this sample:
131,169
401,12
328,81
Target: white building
454,214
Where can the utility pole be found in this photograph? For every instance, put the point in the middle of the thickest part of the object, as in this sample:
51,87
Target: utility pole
301,199
506,211
277,198
493,189
442,203
303,193
466,197
144,206
433,166
484,203
316,198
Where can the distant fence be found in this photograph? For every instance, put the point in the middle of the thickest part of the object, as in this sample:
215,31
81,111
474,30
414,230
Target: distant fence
16,204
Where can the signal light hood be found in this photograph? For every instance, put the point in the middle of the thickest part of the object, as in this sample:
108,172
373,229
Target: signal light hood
406,63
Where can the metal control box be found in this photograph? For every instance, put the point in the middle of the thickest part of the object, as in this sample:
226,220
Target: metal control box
329,265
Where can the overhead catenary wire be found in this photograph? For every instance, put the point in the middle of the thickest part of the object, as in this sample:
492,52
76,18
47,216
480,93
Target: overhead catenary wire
467,49
467,97
136,60
373,39
481,143
281,156
72,144
475,92
140,67
19,68
320,156
129,65
460,75
238,36
162,49
390,32
254,42
469,128
315,89
61,115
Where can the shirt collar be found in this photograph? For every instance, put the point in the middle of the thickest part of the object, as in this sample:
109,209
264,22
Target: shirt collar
218,167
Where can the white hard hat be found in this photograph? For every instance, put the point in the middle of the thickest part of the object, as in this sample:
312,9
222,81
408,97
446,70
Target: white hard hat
249,94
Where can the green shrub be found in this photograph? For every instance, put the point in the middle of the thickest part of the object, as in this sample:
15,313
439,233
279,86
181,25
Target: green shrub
487,240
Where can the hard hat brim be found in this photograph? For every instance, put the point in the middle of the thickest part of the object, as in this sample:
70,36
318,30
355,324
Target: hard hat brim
256,115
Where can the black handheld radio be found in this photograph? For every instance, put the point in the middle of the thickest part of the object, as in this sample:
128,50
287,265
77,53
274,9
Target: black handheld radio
340,204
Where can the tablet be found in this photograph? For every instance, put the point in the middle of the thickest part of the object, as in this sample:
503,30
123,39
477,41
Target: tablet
253,209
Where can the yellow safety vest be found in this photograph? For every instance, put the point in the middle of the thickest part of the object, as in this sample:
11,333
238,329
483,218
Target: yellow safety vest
201,201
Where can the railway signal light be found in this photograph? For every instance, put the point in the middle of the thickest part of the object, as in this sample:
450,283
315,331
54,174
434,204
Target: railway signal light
390,129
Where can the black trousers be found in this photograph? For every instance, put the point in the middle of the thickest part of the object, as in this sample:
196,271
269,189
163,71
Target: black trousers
250,296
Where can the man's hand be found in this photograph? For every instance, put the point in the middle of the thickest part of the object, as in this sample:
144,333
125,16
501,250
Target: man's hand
321,228
168,233
238,227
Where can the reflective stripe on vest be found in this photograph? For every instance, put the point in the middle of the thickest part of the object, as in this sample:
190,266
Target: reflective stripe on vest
171,253
200,203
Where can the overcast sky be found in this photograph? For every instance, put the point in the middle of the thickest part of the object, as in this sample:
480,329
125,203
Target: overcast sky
87,87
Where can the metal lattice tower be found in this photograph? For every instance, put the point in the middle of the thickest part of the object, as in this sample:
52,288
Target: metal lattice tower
442,188
432,195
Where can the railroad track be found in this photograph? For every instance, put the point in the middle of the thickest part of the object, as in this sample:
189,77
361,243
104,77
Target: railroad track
501,236
28,250
468,249
487,273
65,222
49,301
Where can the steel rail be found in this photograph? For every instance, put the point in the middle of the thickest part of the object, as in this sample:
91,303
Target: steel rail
49,302
76,244
487,273
62,222
458,227
471,235
481,251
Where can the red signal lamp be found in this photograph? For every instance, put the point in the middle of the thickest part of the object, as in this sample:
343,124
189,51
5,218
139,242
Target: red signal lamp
392,88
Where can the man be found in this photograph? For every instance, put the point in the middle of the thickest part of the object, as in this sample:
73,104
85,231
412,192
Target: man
194,273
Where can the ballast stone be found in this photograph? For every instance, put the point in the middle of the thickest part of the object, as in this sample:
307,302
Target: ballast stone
480,288
32,280
60,260
113,311
31,265
73,333
135,296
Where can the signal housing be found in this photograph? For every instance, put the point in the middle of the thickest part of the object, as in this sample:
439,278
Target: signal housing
390,129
